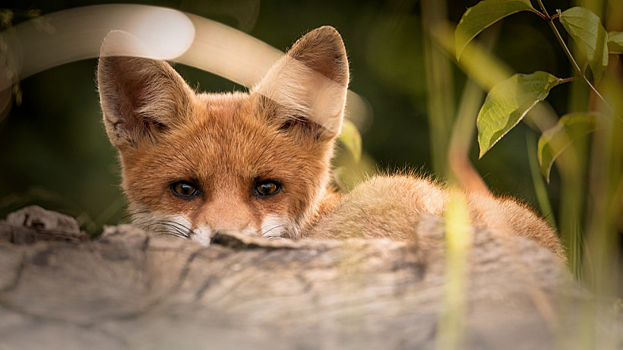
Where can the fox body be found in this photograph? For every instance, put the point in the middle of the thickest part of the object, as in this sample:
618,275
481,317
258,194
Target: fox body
196,164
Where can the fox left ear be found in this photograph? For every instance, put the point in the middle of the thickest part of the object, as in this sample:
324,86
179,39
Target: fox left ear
311,80
141,99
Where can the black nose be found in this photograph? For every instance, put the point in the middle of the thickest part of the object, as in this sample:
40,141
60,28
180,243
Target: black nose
216,239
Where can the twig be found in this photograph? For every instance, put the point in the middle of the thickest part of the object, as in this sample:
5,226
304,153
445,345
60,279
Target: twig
550,21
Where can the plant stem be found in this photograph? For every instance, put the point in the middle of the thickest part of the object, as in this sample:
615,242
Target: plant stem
546,18
550,21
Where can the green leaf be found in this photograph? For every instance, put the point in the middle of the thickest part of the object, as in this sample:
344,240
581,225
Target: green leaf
615,42
586,30
508,102
569,128
482,15
351,139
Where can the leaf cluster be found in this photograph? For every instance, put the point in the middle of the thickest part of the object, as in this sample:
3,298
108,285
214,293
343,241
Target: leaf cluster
509,101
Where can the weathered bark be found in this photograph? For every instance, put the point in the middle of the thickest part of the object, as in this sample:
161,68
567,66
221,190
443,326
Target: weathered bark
129,289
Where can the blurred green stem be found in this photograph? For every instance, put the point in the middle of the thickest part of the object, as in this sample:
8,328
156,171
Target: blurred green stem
440,87
465,127
540,189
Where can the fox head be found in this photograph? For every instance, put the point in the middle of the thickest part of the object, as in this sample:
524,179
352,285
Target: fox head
196,164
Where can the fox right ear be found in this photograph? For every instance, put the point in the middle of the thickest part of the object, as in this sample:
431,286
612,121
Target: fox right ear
310,81
141,98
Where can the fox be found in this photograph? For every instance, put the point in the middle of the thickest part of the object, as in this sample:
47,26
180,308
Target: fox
196,165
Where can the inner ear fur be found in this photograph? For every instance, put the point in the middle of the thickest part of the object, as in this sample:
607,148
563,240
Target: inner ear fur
140,98
309,83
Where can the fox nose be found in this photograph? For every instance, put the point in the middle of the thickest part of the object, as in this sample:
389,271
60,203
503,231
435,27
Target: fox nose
216,238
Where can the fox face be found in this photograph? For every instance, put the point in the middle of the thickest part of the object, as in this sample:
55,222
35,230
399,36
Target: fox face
196,164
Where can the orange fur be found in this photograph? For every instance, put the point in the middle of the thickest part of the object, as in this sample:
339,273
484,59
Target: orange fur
282,131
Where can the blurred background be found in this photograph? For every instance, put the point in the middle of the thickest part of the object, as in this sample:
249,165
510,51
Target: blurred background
54,151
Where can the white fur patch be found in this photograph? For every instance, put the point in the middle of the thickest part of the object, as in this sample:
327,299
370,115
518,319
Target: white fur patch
202,235
274,226
170,224
181,220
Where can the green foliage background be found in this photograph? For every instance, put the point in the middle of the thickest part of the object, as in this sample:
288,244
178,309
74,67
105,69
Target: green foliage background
54,151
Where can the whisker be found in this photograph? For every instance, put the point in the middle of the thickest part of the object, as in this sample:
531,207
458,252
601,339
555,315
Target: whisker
264,233
167,227
178,228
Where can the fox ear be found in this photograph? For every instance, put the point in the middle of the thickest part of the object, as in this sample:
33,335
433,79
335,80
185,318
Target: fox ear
141,98
310,81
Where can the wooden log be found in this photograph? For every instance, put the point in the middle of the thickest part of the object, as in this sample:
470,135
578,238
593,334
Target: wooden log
131,289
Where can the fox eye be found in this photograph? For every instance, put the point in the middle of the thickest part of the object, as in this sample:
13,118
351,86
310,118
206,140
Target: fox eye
267,188
184,190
